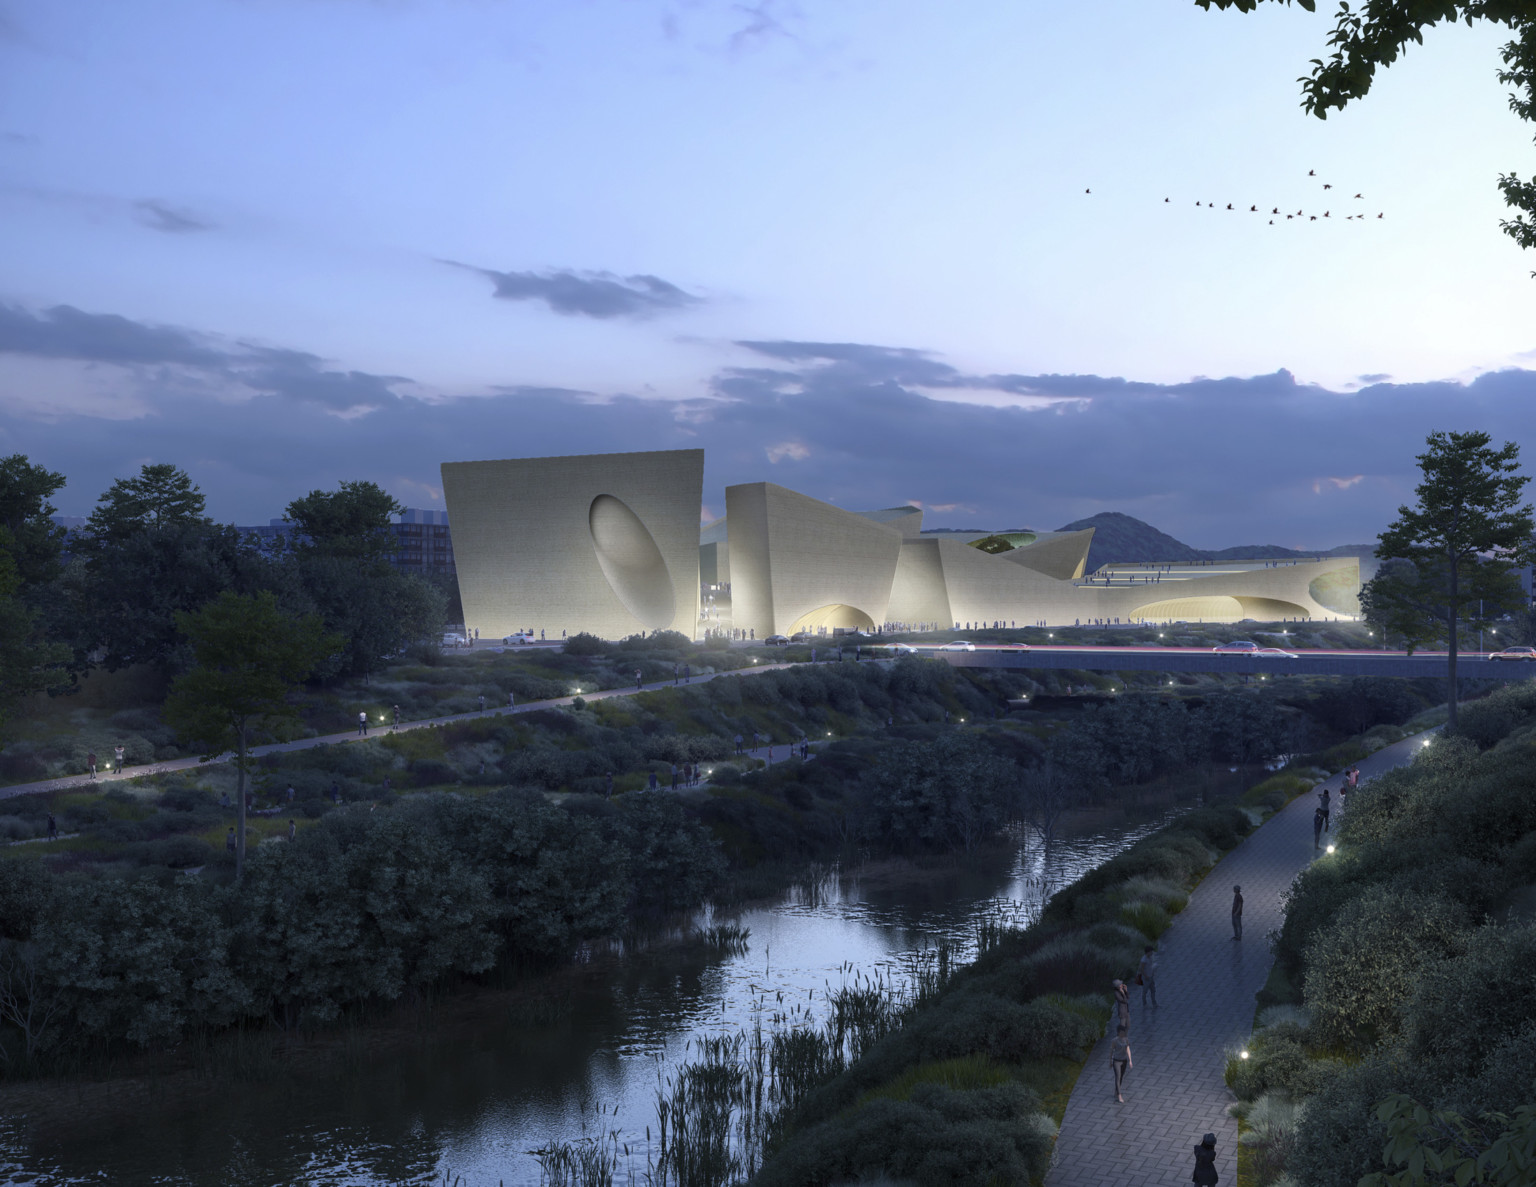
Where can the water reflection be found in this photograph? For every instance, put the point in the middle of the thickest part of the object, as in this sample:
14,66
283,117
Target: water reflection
473,1101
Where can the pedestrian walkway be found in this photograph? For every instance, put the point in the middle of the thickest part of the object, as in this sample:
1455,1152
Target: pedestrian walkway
76,782
1206,982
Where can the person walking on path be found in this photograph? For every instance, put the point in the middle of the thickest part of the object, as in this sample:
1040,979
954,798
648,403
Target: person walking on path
1120,1059
1237,912
1326,801
1318,820
1146,974
674,776
229,842
1122,1005
290,793
397,716
511,700
738,743
482,702
335,792
639,680
362,723
1205,1162
90,761
653,780
118,752
53,828
677,674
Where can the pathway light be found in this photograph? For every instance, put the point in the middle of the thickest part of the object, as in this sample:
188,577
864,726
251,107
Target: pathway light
1330,848
1242,1054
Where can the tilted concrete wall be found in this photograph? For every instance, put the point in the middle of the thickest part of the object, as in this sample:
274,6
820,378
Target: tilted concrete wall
792,554
606,543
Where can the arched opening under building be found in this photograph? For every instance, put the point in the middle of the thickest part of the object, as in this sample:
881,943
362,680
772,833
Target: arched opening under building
836,617
1218,608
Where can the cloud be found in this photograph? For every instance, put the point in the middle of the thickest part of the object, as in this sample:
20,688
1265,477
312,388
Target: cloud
1215,461
16,137
589,294
1375,377
201,363
157,216
793,450
761,25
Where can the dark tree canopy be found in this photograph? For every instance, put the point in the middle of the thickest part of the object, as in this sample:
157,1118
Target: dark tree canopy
1374,34
350,521
162,496
27,533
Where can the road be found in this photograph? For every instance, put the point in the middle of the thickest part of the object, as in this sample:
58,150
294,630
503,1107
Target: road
1203,659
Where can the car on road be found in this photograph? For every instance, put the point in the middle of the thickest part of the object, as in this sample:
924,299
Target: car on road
1275,653
1514,653
1009,647
903,649
1237,647
958,645
776,641
519,638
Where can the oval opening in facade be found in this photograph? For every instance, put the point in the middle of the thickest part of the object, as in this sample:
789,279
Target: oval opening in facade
632,563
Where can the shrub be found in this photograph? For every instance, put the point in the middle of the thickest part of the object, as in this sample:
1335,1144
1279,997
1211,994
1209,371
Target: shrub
1340,1140
1466,1008
1147,918
1362,968
938,1136
583,643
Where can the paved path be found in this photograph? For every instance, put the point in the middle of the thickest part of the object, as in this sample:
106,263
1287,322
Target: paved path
73,782
1174,1092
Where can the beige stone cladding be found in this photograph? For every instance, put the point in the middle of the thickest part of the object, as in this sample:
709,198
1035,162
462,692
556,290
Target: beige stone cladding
798,562
1263,592
918,594
1063,555
985,588
606,543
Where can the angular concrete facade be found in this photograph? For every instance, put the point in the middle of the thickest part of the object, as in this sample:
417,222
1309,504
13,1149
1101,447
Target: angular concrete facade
611,544
797,563
606,543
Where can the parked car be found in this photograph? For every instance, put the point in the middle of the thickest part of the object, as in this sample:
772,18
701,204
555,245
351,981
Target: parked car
776,641
1275,653
1514,653
1237,647
958,645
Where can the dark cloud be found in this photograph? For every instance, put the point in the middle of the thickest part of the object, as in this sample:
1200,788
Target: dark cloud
1377,377
65,332
1217,462
588,294
157,216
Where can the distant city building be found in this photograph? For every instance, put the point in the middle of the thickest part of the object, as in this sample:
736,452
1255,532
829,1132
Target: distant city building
422,541
611,544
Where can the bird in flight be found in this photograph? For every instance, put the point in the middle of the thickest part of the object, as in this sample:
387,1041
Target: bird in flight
1378,216
1165,200
1359,195
1313,217
1311,172
1087,191
1290,216
1276,210
1325,214
1253,209
1229,206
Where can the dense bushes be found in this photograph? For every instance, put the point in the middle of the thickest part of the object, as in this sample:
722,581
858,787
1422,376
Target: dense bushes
365,906
1405,949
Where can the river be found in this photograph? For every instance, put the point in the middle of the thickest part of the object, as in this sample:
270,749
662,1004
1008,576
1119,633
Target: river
469,1102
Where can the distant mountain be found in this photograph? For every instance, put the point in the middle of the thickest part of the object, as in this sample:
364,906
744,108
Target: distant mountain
1122,539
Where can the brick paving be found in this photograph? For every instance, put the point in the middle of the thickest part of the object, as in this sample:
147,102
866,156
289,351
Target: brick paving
1206,983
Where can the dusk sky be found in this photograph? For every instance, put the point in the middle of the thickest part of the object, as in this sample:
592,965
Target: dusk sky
842,245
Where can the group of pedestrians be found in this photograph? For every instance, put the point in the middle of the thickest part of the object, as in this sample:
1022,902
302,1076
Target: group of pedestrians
1120,1045
1322,818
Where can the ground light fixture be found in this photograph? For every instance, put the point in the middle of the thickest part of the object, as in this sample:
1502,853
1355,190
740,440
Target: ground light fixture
1242,1055
1330,848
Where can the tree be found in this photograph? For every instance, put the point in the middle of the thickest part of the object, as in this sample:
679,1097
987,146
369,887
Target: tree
29,663
249,657
1444,1147
162,496
1463,539
27,530
351,521
1380,31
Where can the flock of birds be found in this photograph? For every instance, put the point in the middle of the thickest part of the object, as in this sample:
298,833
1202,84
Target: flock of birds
1275,212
